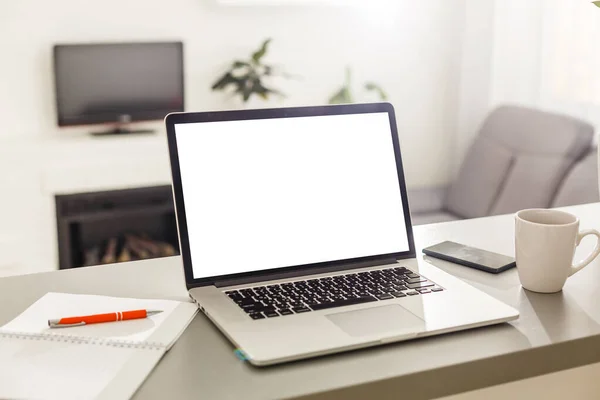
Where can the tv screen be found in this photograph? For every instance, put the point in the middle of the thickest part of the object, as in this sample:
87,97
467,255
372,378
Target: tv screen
97,83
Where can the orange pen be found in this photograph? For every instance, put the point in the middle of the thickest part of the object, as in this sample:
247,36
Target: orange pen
98,318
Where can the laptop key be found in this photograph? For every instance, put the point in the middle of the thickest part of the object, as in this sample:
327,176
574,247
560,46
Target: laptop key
413,275
285,311
384,296
342,303
301,310
423,291
436,289
419,285
416,280
412,293
257,316
399,294
247,300
271,314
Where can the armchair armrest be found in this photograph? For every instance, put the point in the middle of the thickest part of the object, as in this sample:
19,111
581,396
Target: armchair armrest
427,200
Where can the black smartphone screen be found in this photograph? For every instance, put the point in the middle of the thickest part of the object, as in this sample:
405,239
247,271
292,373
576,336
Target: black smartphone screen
470,256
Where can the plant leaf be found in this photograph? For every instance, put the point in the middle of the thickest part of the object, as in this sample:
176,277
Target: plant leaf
373,87
264,91
348,76
260,53
342,96
275,70
596,3
224,81
246,76
258,87
247,89
239,64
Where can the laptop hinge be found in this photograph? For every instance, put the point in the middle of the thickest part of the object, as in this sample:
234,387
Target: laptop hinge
304,272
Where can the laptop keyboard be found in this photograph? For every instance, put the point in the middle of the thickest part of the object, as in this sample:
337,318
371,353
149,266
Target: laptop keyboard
334,291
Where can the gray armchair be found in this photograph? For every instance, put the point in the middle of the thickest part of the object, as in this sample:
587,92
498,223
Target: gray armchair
581,183
519,160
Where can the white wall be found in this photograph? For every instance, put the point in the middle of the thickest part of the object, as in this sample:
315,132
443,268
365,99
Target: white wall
524,36
475,89
412,48
517,50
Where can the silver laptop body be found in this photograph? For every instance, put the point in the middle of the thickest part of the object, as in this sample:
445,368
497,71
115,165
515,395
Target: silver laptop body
296,238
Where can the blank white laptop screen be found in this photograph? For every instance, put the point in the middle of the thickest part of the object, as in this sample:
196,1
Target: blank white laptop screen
280,192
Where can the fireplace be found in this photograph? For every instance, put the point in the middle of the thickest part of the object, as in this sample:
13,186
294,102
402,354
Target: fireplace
115,226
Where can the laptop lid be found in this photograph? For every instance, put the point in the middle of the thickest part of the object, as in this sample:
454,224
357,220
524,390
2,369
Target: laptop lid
262,194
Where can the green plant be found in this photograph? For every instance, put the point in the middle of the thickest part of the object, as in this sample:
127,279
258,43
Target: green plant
597,3
344,94
247,76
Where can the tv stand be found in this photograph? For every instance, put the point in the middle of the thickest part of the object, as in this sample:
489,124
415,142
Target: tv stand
122,131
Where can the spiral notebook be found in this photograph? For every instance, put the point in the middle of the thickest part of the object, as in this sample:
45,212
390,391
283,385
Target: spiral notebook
99,361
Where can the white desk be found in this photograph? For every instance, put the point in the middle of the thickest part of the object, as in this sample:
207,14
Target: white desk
554,332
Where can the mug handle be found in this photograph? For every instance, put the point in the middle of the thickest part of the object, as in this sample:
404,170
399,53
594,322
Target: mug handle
579,266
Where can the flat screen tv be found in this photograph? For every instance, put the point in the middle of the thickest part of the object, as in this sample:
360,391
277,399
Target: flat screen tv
117,82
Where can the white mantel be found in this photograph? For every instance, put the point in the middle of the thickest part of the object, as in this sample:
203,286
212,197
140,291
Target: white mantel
35,170
91,163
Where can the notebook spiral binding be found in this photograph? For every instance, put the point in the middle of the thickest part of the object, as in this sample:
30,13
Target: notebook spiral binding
82,340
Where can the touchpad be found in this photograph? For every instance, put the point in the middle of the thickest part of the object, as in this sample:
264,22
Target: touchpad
392,318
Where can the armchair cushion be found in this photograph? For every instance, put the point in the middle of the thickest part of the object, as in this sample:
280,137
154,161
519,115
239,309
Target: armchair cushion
480,179
581,183
545,147
518,161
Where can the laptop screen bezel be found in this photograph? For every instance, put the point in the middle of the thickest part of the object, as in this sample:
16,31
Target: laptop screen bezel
174,119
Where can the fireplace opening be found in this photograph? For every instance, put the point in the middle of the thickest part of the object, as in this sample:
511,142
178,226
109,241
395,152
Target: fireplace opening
115,226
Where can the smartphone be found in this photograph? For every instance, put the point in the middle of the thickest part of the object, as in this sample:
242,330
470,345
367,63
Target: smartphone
471,257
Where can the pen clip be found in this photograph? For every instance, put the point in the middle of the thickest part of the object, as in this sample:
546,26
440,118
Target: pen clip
57,324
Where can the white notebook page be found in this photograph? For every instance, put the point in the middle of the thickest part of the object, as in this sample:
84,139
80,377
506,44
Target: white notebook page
38,369
58,305
106,360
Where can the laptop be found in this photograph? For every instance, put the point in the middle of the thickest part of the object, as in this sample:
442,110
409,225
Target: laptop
296,237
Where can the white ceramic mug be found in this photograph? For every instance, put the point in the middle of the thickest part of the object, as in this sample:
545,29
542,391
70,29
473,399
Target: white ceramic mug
545,243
